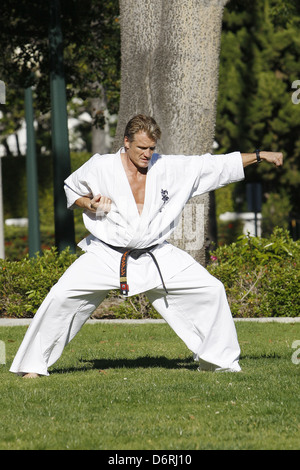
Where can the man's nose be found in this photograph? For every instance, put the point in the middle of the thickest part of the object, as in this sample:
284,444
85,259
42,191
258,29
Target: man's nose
148,153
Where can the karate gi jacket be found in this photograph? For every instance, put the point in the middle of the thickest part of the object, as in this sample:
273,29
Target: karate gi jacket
172,180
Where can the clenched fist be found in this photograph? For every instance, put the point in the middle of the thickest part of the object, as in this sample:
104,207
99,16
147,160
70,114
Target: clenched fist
100,205
272,157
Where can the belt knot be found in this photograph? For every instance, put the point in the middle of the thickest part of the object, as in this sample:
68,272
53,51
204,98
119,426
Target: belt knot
135,253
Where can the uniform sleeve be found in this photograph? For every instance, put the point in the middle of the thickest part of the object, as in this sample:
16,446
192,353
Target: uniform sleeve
216,171
77,184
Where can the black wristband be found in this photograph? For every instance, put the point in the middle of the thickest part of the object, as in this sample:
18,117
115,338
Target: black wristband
259,160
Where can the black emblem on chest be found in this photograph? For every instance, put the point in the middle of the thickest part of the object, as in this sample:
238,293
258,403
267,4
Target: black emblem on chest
164,196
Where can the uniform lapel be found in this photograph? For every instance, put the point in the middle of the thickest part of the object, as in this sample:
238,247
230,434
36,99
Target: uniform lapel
124,196
148,210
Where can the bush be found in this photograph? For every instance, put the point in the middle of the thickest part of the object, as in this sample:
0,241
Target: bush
24,284
261,276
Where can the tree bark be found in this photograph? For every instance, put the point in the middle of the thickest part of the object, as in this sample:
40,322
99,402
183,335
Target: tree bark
170,61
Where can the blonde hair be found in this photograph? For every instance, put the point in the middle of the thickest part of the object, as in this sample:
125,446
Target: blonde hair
142,123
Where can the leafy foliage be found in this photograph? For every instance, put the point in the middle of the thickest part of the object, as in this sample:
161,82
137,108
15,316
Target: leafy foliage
24,284
91,46
261,276
259,61
91,40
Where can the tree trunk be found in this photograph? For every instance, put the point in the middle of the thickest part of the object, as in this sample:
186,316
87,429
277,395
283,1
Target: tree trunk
170,60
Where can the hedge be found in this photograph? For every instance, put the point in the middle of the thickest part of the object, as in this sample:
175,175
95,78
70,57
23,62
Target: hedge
25,283
261,277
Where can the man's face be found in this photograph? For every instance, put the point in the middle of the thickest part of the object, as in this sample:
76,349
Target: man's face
140,150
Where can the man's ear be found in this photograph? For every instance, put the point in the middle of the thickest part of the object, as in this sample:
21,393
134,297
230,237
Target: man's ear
126,143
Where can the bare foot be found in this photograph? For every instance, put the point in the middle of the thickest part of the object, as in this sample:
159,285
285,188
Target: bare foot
31,375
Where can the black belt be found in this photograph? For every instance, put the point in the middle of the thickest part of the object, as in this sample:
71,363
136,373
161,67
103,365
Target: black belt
135,253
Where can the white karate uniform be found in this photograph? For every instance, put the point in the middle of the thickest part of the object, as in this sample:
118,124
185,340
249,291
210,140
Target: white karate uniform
195,306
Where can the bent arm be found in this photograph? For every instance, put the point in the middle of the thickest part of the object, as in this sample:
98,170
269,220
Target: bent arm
95,204
84,202
272,157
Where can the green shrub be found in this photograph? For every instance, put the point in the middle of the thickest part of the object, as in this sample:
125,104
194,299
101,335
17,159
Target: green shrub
261,276
24,284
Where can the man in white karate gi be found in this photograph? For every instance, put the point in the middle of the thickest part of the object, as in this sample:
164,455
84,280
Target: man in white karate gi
132,201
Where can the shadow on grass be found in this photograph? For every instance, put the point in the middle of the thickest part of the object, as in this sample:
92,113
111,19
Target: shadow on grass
149,362
271,355
145,362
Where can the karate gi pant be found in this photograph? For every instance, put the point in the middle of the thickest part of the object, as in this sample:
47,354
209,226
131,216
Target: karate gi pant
195,307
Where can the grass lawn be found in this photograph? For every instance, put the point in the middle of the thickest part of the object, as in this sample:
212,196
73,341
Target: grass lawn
136,387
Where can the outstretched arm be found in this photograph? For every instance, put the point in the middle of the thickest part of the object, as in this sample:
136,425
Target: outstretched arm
272,157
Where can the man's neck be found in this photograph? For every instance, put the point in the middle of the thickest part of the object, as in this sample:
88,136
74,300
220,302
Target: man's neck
131,168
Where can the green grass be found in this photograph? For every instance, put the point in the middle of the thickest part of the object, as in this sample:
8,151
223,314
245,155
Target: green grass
135,387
